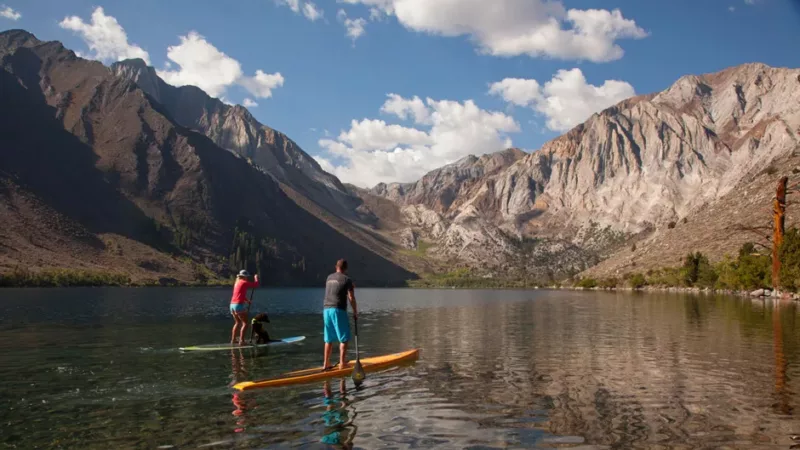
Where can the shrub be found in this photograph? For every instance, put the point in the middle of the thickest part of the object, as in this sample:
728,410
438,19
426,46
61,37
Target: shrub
753,271
587,283
633,247
671,225
668,276
609,283
62,277
637,281
789,254
697,271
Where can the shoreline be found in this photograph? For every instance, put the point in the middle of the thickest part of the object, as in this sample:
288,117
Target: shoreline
759,293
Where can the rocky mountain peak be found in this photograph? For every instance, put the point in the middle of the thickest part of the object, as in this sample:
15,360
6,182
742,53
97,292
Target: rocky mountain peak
139,72
13,39
234,128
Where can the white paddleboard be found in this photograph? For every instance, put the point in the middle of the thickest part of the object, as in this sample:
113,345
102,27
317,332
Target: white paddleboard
228,346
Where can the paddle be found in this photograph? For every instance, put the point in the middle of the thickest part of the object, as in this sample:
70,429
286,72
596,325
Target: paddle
252,291
358,371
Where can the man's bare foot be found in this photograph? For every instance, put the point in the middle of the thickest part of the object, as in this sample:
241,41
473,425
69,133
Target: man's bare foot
342,366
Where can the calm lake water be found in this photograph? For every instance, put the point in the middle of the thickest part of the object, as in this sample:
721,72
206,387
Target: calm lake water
100,369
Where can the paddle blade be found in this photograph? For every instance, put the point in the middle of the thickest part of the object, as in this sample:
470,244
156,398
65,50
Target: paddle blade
358,374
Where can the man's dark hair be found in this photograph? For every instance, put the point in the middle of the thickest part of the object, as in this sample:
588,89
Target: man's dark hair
341,265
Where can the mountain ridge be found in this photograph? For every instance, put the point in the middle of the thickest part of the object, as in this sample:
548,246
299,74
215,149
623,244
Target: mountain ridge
628,170
234,128
108,166
171,160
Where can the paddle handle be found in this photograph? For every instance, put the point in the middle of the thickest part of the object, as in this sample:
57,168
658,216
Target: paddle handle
355,320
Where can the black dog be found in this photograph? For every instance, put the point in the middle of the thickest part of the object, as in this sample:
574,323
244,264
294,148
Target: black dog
257,327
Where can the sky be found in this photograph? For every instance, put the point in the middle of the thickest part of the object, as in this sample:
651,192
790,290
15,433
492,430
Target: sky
387,90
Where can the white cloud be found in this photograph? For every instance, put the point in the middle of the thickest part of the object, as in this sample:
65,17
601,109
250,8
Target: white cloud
406,108
201,64
312,12
731,8
249,103
308,9
378,135
354,27
105,37
372,151
8,13
566,100
750,2
262,84
517,27
294,5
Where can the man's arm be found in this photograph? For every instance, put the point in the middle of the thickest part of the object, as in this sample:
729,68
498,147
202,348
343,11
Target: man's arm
351,295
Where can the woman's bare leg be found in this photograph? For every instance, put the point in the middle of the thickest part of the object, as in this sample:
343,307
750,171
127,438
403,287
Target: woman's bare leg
235,325
243,318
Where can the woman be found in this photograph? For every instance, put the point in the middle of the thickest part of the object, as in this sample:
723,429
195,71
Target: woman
238,301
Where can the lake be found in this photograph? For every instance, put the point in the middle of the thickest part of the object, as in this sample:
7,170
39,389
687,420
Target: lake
99,369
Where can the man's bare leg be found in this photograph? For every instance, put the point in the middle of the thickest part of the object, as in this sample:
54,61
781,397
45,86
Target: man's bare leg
327,359
342,355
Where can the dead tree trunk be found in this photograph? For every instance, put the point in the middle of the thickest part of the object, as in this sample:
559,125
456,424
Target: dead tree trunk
779,213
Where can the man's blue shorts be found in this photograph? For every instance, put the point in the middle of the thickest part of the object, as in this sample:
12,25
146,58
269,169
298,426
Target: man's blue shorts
337,325
238,308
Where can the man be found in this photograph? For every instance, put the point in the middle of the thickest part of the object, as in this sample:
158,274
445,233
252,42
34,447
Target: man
339,289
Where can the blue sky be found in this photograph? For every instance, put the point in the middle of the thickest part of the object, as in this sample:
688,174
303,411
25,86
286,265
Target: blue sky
442,51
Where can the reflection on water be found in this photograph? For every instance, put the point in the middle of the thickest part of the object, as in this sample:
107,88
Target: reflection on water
339,427
508,369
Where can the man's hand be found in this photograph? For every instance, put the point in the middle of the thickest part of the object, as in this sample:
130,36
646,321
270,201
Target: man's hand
256,278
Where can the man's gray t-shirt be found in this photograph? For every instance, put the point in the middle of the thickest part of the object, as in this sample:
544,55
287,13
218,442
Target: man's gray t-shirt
336,288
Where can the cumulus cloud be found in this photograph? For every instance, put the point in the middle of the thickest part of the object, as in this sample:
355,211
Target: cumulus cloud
8,13
566,100
262,84
294,5
354,27
407,108
538,28
105,37
373,151
201,64
308,9
249,103
312,12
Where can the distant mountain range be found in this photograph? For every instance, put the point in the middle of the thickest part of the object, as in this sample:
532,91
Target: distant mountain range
638,170
113,169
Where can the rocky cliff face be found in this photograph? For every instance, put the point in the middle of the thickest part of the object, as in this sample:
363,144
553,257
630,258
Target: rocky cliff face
626,171
446,189
94,171
235,129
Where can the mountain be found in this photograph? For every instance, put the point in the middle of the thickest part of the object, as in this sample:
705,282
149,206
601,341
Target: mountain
96,173
624,174
113,168
235,129
443,189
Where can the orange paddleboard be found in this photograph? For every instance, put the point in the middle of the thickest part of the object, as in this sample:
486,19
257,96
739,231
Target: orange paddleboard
372,364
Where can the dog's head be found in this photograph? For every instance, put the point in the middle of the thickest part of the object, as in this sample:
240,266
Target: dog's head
262,317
